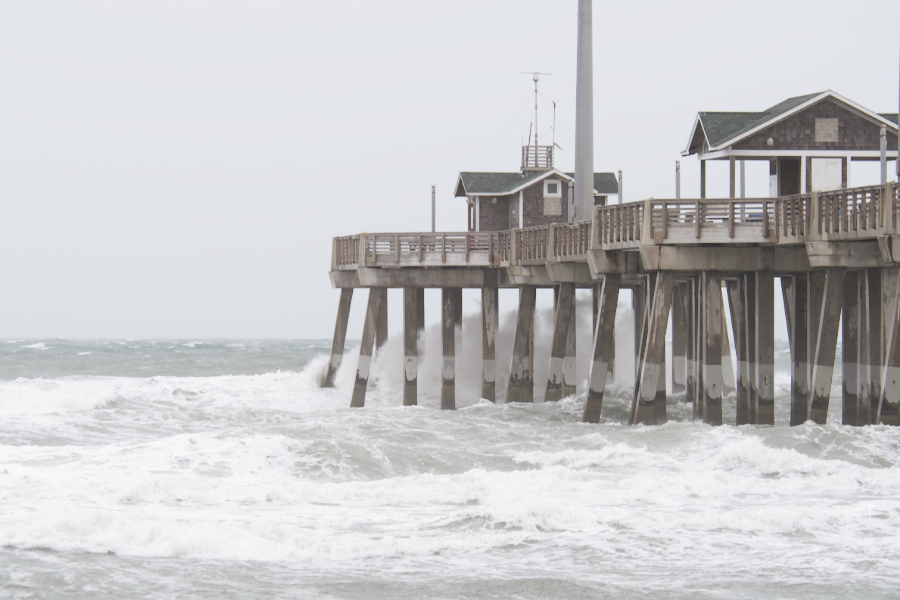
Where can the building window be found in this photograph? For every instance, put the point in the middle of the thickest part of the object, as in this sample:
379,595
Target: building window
826,130
552,188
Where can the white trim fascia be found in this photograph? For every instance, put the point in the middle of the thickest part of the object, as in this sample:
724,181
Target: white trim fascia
687,150
477,213
533,181
459,182
763,154
799,108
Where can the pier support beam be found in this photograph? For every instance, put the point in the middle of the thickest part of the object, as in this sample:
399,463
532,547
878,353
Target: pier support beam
850,349
521,376
764,410
340,337
826,344
679,341
373,309
410,346
565,306
711,345
489,325
449,298
645,407
750,339
689,300
603,336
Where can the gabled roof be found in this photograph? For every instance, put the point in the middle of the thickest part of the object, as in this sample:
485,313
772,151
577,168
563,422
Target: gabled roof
722,129
503,184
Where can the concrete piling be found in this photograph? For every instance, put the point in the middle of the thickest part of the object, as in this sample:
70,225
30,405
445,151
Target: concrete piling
888,412
489,325
448,343
764,410
410,346
712,383
750,301
604,334
850,349
645,407
381,326
373,310
735,290
679,342
521,377
570,381
799,323
826,344
688,299
565,306
874,351
340,337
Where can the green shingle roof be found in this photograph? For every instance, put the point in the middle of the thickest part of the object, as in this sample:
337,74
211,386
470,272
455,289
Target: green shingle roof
483,184
723,126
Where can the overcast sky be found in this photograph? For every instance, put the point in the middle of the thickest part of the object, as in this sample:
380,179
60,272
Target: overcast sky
178,168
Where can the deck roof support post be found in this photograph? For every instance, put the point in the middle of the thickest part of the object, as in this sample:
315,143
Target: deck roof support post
826,344
340,337
565,306
702,179
365,348
735,291
645,407
521,378
764,410
711,344
679,341
731,178
603,336
448,345
489,326
850,349
410,346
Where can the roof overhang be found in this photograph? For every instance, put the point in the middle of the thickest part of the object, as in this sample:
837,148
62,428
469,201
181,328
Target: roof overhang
697,123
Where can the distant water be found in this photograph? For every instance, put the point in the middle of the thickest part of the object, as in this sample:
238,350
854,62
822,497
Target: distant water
220,469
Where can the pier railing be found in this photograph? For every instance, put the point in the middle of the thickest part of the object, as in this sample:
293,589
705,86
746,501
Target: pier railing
859,213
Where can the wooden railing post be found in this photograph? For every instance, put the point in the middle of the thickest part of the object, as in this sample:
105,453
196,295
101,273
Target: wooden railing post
697,218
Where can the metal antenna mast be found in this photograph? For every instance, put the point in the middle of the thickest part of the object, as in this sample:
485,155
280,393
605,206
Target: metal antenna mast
536,76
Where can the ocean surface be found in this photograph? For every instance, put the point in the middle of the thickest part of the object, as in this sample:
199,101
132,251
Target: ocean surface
221,469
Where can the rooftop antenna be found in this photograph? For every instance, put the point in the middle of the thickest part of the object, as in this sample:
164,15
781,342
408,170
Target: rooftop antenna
535,75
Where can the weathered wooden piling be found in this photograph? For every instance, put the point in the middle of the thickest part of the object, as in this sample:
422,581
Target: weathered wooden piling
712,383
373,310
764,411
490,324
604,334
449,298
826,343
340,337
521,376
410,346
565,306
645,407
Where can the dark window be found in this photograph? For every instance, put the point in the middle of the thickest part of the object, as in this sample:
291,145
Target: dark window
551,188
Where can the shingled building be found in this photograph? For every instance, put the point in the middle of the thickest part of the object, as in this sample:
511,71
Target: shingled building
809,141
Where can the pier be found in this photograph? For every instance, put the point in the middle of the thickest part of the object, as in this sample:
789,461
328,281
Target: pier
836,253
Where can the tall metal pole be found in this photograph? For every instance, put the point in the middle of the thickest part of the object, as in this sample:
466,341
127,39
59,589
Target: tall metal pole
432,209
584,113
677,179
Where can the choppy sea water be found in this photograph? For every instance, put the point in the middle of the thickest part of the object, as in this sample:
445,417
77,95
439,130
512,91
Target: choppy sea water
220,469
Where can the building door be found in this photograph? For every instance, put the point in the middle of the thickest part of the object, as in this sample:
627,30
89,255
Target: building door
788,176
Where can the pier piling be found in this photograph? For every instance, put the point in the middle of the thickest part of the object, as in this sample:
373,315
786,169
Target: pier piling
489,326
373,310
712,383
764,410
410,346
603,336
565,306
449,297
340,337
521,376
826,344
645,408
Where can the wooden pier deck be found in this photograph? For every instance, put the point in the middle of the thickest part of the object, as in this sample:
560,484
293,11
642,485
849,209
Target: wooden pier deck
837,254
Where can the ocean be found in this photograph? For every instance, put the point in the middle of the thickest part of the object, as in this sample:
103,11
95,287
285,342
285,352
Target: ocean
221,469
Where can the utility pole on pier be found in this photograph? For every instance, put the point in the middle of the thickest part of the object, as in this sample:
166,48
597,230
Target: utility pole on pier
584,113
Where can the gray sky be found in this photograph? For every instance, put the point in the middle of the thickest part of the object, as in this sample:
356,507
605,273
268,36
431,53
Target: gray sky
177,169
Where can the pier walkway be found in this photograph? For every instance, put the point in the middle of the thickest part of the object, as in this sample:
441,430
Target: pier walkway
837,254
